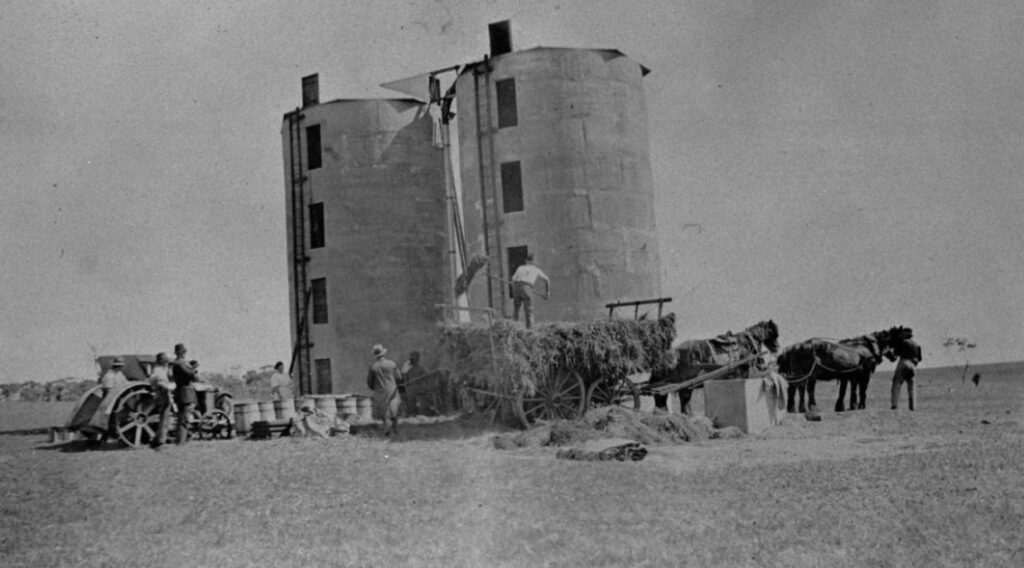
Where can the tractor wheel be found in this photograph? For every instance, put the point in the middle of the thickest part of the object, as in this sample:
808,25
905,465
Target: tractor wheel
134,420
215,425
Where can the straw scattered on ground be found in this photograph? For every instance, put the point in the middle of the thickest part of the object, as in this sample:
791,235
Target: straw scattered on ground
617,422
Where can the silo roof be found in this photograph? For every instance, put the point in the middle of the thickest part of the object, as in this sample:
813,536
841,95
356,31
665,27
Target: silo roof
607,53
360,99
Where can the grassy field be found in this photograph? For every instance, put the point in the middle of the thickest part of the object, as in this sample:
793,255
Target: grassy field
942,486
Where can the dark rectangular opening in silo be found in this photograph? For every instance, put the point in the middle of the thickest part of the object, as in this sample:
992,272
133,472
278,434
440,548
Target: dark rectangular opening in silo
323,376
311,90
501,37
511,187
516,258
316,225
313,157
506,94
319,286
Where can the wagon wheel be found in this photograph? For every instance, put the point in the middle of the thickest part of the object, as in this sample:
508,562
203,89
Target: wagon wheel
135,419
560,396
215,425
616,392
479,402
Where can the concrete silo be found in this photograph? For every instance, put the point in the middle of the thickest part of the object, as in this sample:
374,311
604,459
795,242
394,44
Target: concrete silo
554,160
367,240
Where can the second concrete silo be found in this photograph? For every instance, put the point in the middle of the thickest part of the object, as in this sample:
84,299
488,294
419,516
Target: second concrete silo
367,236
554,160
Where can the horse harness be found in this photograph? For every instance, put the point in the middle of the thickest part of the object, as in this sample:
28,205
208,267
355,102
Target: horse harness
872,347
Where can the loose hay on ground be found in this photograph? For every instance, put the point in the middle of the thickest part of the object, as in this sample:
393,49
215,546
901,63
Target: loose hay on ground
615,422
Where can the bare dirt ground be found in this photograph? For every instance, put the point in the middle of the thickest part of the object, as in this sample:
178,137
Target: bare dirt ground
942,486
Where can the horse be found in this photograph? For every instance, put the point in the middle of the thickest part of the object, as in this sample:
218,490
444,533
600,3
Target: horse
697,356
850,361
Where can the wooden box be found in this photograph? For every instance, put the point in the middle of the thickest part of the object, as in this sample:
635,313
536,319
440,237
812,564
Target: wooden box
752,405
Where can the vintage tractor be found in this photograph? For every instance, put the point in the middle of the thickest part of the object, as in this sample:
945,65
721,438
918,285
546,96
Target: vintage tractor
128,413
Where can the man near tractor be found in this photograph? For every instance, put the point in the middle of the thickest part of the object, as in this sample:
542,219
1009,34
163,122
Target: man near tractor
113,378
184,376
281,383
523,282
162,389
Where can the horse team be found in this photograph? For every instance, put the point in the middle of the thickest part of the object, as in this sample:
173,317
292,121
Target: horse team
850,361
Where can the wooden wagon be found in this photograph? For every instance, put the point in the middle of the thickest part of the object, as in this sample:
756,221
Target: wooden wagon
557,371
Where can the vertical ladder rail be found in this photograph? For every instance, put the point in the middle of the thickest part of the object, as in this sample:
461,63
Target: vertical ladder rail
495,202
488,187
300,364
482,172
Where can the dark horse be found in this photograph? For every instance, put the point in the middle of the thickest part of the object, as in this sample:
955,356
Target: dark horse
848,361
698,356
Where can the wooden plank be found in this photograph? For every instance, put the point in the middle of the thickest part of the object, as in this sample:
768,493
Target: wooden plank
669,388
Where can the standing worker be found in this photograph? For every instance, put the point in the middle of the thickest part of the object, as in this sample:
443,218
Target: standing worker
910,357
412,372
162,390
281,383
383,381
113,378
523,282
184,393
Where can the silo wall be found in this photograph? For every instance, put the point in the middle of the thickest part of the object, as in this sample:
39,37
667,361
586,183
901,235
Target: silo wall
588,198
384,257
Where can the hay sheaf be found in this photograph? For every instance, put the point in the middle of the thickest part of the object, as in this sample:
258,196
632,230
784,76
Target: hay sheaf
615,422
510,359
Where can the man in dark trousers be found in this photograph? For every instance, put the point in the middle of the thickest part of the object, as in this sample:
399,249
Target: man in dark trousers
409,389
910,357
183,375
523,281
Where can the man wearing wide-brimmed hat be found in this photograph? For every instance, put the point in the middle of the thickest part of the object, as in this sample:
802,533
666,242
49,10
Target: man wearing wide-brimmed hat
184,393
383,381
114,377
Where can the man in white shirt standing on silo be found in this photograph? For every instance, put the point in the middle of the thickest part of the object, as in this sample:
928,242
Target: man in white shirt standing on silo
523,282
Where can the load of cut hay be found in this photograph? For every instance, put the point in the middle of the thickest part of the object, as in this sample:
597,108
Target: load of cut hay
509,359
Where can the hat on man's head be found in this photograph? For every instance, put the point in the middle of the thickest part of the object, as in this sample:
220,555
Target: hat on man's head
162,358
180,348
117,362
378,350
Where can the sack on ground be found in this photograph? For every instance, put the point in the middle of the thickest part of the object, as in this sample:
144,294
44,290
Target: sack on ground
608,449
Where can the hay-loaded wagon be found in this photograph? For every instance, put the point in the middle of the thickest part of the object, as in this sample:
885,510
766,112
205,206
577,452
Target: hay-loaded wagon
558,370
128,414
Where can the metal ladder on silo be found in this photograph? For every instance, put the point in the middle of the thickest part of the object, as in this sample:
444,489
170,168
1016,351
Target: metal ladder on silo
488,187
300,364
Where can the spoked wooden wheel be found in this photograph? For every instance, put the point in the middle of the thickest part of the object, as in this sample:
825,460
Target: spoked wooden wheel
135,419
613,392
560,397
215,425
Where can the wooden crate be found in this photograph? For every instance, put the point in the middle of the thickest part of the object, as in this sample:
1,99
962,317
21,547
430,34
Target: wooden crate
264,429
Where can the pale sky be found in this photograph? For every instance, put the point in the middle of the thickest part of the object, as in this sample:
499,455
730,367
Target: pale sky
839,167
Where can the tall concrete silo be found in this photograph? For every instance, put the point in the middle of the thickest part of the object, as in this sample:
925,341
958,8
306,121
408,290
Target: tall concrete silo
554,160
367,239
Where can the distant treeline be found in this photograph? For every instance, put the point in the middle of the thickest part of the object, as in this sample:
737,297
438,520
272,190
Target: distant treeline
254,385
